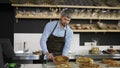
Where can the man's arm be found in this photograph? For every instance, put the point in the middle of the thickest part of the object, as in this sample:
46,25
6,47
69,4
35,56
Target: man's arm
68,40
44,37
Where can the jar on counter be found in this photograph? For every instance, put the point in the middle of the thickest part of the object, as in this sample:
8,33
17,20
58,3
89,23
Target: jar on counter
94,48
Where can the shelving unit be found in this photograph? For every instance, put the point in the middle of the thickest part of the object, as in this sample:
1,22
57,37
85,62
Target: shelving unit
54,15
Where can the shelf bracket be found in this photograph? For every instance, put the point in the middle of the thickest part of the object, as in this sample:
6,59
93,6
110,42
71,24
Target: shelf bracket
50,20
99,20
104,33
16,7
16,20
96,32
90,21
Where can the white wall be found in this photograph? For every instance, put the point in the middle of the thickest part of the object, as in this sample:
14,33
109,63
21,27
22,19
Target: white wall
33,43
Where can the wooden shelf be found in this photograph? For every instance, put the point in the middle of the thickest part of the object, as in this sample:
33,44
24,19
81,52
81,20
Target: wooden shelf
64,6
37,17
32,5
113,30
56,17
96,30
89,30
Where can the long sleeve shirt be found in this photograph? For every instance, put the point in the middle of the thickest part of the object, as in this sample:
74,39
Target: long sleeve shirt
60,32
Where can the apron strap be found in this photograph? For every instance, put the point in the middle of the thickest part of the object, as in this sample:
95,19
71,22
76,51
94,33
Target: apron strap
54,28
65,32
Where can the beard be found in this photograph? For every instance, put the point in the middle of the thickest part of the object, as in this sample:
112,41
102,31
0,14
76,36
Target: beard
64,24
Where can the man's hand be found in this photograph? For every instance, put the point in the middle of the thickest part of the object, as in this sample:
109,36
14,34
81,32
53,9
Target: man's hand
49,55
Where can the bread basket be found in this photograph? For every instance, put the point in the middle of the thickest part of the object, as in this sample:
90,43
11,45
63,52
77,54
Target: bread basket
60,60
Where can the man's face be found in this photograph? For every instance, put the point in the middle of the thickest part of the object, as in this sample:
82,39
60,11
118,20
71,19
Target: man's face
65,20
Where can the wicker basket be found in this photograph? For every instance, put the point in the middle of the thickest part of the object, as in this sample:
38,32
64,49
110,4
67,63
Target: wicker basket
60,60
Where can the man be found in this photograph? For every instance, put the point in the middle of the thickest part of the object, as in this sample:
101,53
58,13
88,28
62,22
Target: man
57,35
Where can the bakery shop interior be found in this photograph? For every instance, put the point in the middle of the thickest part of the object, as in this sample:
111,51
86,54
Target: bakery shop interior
60,34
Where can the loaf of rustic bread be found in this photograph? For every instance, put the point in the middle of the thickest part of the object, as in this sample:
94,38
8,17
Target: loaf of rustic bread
60,59
89,65
84,60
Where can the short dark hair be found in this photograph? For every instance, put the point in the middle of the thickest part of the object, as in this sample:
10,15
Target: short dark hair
67,13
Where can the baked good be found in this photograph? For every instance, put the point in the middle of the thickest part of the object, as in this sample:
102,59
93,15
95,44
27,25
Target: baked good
111,62
79,28
108,61
77,25
60,59
89,66
72,27
111,51
65,65
102,25
114,64
84,60
95,50
86,27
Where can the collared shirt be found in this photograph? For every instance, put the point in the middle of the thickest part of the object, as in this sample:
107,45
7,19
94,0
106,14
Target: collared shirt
60,32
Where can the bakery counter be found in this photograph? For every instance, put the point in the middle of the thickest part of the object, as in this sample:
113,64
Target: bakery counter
52,65
26,58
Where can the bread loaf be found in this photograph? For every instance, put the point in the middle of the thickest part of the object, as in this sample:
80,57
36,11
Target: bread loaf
111,51
111,62
65,65
107,61
84,60
60,59
89,66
